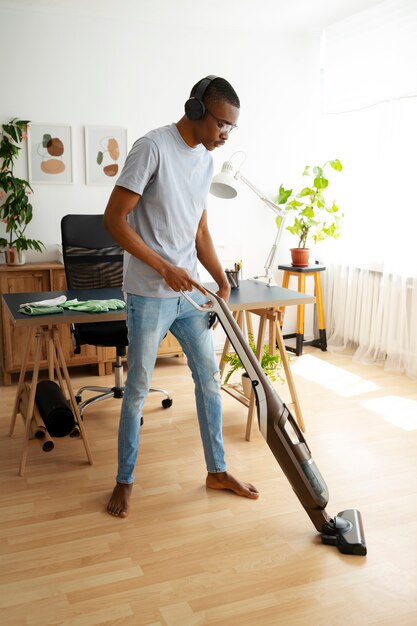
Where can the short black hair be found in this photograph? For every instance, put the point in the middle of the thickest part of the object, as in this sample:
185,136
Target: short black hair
219,90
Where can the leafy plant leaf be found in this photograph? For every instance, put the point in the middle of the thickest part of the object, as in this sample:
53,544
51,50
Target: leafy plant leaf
307,191
308,212
294,204
320,182
283,195
336,165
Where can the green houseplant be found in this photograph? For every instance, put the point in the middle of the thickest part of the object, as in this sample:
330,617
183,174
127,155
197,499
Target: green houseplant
270,363
15,207
314,215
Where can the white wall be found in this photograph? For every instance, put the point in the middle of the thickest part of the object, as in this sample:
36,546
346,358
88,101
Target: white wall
101,64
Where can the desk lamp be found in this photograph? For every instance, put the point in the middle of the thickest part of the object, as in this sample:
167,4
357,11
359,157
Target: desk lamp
224,185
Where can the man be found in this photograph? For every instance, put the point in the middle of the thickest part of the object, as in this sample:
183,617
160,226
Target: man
157,213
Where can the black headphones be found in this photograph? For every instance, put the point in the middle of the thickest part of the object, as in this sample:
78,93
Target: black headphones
194,107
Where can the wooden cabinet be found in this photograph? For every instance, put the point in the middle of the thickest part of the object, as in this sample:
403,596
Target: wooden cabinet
37,277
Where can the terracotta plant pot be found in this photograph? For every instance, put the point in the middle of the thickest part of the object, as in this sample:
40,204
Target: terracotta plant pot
300,256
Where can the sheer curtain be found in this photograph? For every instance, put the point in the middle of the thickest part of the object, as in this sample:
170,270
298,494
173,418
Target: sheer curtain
369,122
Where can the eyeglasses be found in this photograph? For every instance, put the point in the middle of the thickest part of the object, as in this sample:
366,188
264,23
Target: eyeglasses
224,127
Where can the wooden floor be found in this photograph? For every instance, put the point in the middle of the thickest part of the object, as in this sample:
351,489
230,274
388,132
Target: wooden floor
188,557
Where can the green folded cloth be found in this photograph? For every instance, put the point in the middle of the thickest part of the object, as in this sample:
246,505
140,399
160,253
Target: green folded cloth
94,306
47,307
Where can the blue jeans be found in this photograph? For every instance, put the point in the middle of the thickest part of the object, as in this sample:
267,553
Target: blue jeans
148,321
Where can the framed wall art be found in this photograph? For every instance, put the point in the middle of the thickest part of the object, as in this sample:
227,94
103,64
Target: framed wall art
105,153
50,153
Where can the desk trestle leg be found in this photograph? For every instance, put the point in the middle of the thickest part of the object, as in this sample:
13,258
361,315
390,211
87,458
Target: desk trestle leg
56,367
275,338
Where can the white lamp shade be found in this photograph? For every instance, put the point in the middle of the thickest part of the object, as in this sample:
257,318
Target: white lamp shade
223,185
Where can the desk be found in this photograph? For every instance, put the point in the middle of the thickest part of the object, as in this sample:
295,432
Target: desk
251,297
266,302
45,329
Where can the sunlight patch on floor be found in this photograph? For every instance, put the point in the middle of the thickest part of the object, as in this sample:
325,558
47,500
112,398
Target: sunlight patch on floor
332,377
401,412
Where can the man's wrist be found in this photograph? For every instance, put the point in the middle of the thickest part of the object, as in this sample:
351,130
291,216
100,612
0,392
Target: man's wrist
163,268
223,283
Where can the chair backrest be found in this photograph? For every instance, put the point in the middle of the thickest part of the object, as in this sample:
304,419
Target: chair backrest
92,259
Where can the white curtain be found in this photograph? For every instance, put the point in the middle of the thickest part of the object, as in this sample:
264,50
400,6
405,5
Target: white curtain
369,122
374,315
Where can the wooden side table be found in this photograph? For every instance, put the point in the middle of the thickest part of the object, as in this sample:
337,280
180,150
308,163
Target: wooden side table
301,273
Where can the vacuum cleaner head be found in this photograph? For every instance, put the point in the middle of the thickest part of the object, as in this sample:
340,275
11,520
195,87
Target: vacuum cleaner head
346,532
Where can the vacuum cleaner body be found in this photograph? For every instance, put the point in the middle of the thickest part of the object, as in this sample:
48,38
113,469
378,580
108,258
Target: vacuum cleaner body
284,438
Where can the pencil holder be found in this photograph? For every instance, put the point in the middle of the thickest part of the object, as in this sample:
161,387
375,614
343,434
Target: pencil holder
233,278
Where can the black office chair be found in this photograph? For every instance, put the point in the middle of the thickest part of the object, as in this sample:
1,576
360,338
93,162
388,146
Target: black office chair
93,260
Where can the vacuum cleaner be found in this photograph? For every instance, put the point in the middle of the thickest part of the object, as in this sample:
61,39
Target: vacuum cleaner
283,436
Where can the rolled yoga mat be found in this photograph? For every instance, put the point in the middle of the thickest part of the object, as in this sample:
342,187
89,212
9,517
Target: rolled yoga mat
54,409
37,426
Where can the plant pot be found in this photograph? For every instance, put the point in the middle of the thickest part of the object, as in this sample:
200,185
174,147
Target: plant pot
246,385
300,256
13,257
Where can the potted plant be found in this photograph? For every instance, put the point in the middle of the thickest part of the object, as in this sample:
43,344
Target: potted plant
270,363
314,215
15,208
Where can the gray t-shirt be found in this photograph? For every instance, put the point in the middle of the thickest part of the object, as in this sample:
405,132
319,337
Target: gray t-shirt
173,181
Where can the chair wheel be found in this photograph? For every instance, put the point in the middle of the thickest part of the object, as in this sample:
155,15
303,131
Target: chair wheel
167,403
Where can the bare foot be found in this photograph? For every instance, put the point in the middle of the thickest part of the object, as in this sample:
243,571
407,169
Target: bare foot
119,502
223,480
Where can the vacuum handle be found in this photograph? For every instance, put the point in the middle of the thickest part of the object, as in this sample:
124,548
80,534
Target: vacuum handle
197,306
